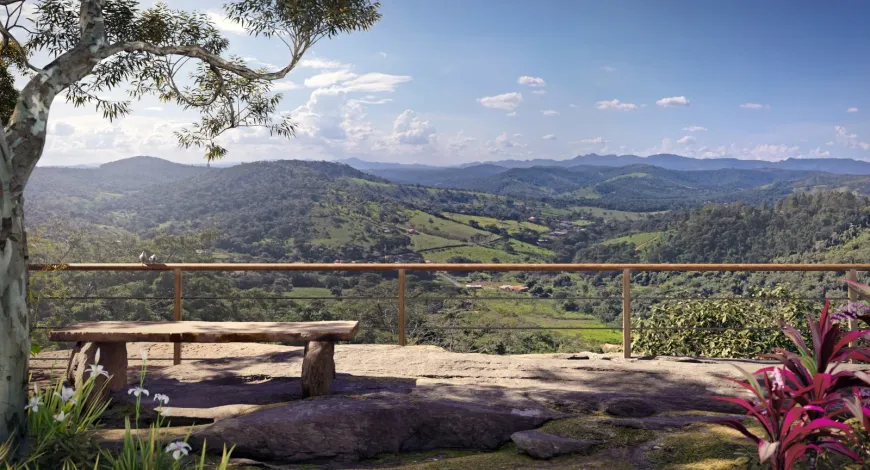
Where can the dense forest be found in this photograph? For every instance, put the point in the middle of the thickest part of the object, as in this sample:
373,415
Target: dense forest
302,211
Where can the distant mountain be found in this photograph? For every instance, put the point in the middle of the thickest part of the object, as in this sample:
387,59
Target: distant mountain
840,166
641,187
366,165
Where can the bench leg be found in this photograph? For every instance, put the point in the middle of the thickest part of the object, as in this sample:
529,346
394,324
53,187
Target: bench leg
113,358
318,368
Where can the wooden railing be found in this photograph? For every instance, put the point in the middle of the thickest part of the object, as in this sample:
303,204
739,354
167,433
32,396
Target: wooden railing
401,268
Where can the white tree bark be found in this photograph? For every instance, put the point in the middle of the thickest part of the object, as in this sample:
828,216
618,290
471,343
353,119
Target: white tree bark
14,323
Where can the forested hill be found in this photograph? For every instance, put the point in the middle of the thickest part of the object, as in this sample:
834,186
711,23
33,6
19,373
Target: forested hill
739,233
634,187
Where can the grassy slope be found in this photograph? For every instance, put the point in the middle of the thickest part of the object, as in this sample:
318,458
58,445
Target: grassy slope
512,226
429,224
638,239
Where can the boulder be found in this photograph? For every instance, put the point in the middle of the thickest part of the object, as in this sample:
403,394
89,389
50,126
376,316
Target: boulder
545,446
629,408
348,429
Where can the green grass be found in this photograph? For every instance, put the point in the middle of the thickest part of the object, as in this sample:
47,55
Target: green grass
371,183
608,214
309,292
582,222
424,241
639,240
478,253
444,228
512,226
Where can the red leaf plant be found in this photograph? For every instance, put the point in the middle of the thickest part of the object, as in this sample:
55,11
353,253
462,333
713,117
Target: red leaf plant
798,407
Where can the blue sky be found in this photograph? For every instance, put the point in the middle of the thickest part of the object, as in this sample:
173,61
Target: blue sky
441,82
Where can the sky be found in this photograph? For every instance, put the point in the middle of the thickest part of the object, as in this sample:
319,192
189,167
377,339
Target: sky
454,81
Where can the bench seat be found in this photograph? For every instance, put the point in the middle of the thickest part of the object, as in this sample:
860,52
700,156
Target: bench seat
110,338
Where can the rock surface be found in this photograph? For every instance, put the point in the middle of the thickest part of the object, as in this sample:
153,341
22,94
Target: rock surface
349,429
546,446
630,408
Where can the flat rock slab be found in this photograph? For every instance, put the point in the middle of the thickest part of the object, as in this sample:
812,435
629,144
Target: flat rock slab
207,332
658,423
347,429
545,446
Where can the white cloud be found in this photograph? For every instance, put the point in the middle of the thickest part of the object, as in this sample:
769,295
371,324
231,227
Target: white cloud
322,64
754,106
383,54
518,135
408,129
596,140
502,143
773,152
225,24
608,68
572,105
154,108
550,112
673,102
531,81
62,129
616,104
371,83
849,140
329,78
829,144
549,137
505,102
283,85
511,114
539,92
686,140
694,129
852,110
819,153
460,142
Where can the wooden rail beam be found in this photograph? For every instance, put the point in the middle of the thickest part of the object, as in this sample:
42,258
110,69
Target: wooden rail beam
176,353
626,313
381,267
402,339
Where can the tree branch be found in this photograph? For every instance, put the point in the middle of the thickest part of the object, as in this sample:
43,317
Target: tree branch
197,52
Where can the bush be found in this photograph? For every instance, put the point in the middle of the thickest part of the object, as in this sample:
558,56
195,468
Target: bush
657,334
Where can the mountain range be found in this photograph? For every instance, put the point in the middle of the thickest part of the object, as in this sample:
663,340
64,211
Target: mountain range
842,166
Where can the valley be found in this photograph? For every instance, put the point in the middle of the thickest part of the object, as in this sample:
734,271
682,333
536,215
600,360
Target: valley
305,211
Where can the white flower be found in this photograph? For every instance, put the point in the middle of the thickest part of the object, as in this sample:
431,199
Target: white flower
143,353
178,448
96,369
34,404
97,357
60,417
137,392
66,394
163,399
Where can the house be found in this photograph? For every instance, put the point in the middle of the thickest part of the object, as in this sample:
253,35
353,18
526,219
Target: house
532,219
473,286
559,233
412,231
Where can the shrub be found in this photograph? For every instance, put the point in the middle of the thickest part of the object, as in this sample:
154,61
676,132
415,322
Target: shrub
738,327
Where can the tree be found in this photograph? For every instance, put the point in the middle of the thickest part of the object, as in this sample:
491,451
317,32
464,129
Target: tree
95,46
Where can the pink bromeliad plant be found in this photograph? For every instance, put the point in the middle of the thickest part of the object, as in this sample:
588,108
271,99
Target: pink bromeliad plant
800,404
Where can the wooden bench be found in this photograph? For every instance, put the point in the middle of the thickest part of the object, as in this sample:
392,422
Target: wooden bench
111,338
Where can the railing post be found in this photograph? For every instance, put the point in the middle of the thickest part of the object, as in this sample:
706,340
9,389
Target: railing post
853,297
401,307
626,313
176,354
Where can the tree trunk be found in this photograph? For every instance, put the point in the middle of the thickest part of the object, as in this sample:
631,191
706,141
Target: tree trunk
14,321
